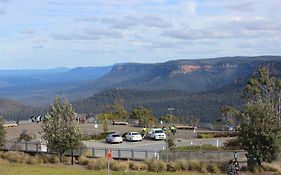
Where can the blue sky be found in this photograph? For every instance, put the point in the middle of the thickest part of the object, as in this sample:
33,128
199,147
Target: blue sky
54,33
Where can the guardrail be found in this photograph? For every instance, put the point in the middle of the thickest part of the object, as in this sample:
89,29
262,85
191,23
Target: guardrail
133,154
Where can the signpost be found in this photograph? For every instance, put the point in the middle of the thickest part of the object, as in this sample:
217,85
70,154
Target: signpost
109,157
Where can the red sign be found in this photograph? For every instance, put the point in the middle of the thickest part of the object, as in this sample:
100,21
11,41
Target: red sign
109,155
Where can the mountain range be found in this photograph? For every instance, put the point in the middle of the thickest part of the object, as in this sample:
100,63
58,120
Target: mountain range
193,87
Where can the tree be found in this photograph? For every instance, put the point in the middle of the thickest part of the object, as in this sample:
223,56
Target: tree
169,118
144,116
259,119
2,132
104,117
228,116
118,112
60,128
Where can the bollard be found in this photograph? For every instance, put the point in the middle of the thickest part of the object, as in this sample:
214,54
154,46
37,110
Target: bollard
37,147
146,154
93,152
105,152
119,153
26,146
133,156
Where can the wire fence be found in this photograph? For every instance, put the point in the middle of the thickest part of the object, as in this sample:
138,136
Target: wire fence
133,154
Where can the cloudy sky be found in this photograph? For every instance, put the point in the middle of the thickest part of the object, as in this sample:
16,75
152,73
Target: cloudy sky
54,33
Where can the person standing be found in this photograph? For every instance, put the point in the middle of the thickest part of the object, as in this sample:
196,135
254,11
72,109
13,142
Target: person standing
230,168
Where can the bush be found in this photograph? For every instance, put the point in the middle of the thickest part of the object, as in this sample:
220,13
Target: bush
197,147
13,156
54,159
233,144
24,136
194,166
270,167
204,167
39,159
183,164
138,166
156,165
82,160
173,166
213,168
119,165
97,164
67,160
32,160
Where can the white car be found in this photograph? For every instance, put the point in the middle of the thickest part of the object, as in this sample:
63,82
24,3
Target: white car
157,134
114,138
133,136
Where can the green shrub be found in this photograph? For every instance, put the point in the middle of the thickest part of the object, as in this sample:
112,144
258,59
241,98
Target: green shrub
233,144
156,165
197,147
205,135
119,165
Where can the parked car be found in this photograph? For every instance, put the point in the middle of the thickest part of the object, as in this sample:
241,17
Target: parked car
133,136
157,134
114,138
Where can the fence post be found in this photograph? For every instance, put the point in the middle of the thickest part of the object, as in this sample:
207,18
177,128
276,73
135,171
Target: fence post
204,154
26,146
16,146
146,154
119,153
189,155
219,156
37,148
93,152
105,152
133,156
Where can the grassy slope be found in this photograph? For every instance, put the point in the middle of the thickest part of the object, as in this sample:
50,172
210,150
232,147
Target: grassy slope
24,169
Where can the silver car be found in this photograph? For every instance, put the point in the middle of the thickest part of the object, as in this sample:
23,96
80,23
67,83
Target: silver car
114,138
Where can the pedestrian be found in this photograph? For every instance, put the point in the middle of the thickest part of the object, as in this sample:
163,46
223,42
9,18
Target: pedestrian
230,168
236,167
173,129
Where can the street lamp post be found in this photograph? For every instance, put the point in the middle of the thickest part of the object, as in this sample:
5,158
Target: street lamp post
167,144
170,110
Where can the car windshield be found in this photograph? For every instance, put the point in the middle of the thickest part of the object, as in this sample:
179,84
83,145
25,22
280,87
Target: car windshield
115,135
135,133
158,131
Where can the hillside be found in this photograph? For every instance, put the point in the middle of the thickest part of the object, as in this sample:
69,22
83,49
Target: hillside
12,110
186,75
201,104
